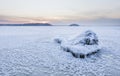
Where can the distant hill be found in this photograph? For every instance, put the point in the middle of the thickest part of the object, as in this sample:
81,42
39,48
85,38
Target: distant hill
74,25
28,24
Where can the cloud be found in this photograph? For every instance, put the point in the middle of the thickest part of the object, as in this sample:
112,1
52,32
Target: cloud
14,19
4,20
60,20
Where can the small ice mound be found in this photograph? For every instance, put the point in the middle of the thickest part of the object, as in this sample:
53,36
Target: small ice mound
58,40
81,46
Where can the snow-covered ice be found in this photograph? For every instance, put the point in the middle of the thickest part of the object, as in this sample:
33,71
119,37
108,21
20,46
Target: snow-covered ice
31,51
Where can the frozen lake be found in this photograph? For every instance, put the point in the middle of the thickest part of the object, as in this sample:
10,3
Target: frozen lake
31,51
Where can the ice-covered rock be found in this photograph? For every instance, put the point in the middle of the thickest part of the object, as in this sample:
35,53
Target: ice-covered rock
81,46
87,38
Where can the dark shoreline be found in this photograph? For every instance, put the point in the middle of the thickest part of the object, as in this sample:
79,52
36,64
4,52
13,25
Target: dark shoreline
27,24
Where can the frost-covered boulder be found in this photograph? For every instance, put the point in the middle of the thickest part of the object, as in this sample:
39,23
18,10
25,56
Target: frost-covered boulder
87,38
81,46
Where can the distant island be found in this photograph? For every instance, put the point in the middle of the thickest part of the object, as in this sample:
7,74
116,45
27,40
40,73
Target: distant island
74,25
28,24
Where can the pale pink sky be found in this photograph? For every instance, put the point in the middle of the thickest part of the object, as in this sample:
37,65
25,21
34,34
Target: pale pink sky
59,11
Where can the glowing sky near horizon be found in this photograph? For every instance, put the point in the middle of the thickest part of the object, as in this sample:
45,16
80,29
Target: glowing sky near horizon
57,11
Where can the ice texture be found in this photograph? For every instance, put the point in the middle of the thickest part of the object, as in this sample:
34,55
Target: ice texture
31,51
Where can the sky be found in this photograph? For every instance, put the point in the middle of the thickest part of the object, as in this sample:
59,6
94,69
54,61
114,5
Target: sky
60,11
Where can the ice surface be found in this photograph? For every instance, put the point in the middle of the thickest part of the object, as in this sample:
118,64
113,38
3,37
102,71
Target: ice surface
30,51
